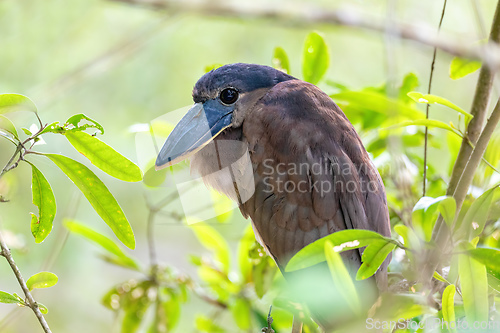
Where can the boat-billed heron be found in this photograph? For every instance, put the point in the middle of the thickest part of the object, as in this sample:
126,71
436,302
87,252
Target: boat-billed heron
293,162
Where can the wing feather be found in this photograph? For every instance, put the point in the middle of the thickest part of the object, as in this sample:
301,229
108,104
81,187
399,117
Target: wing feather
307,154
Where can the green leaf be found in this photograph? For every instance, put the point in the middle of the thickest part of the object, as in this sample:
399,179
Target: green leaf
280,60
103,241
477,214
344,240
410,82
474,286
438,277
448,208
43,308
448,304
104,157
27,131
135,313
78,118
42,280
99,197
263,275
212,240
212,67
373,256
8,298
16,102
241,311
424,215
424,122
44,199
377,102
315,59
53,128
433,99
460,67
205,324
341,278
488,257
8,126
244,261
172,310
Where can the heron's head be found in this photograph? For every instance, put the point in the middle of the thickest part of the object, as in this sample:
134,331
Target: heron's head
222,99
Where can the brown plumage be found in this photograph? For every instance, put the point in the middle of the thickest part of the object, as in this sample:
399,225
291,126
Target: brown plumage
311,174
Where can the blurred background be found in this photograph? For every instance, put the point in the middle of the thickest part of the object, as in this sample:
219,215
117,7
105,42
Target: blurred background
124,64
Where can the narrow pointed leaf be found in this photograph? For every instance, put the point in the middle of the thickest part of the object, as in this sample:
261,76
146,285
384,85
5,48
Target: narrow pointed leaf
433,99
104,157
99,197
341,278
474,285
477,214
314,253
315,59
42,280
377,102
44,199
8,298
373,256
103,241
460,67
448,304
280,60
15,102
439,277
424,122
488,257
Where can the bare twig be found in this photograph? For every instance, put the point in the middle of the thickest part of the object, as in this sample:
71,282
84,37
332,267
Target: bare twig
307,15
428,105
269,328
30,301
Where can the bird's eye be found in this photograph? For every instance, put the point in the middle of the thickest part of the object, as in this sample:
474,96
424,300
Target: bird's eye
228,96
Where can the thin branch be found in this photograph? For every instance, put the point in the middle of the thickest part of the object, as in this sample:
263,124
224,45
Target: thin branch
30,301
479,109
476,156
307,15
433,63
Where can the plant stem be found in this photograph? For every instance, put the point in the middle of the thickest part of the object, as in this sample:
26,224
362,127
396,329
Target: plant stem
30,301
424,182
